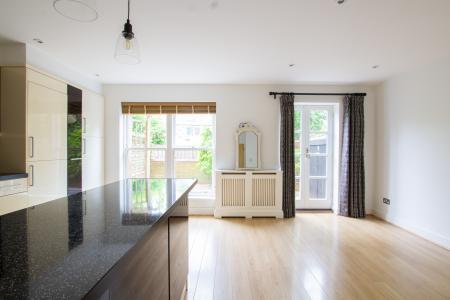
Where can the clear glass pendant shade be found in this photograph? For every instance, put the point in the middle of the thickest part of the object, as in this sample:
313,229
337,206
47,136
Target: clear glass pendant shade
127,51
77,10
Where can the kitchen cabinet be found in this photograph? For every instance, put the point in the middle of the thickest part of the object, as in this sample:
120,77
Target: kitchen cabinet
93,153
93,116
47,178
34,131
93,140
46,123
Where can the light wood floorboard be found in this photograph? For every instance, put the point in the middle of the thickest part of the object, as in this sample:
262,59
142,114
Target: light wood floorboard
314,256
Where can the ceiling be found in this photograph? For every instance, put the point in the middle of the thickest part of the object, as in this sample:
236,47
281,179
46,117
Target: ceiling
241,41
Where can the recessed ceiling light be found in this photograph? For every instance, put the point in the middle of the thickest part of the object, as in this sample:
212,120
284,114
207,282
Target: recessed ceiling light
375,66
291,65
77,10
97,75
340,1
38,41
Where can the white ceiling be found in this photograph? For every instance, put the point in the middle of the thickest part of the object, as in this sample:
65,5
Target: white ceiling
241,41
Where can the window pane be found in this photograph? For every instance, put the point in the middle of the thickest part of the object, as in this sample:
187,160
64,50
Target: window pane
157,130
146,163
298,188
297,159
298,168
157,161
137,127
318,165
147,131
318,120
318,143
317,188
297,120
193,131
195,164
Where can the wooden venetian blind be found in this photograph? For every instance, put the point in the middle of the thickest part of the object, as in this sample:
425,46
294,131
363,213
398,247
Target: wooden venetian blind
169,108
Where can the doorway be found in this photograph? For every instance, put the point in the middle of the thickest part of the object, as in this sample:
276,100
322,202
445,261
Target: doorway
313,135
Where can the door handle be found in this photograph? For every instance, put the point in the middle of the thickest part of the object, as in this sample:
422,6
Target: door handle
84,125
31,139
307,153
84,146
31,176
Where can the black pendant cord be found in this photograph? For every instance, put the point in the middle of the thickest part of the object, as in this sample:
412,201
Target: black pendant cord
275,94
128,28
128,17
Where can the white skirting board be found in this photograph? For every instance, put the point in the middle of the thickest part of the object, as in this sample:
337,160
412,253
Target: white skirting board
201,206
437,239
201,211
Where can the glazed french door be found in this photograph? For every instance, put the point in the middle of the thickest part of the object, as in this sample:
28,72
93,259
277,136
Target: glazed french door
313,130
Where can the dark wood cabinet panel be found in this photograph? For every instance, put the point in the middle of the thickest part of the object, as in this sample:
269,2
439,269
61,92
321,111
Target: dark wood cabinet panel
142,273
178,250
157,267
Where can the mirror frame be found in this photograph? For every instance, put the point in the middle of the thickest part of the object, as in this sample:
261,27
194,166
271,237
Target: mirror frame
247,127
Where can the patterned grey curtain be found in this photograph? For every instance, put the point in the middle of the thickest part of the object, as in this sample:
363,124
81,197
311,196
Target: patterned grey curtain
287,154
352,182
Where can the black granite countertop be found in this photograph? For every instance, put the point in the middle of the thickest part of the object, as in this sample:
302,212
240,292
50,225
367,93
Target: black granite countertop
11,176
62,248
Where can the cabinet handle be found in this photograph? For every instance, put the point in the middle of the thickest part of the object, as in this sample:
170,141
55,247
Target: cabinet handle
84,125
31,175
31,146
84,146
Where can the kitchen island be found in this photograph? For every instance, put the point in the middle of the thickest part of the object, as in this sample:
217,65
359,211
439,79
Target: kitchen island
125,240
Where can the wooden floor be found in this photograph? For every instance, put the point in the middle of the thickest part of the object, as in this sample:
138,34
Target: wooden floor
314,256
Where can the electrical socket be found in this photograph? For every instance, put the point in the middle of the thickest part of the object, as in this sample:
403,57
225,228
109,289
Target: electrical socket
386,201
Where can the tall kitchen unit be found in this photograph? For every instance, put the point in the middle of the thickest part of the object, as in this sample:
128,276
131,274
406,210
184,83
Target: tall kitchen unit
50,130
34,129
93,140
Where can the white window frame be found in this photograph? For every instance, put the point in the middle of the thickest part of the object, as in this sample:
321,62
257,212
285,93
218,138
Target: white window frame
170,150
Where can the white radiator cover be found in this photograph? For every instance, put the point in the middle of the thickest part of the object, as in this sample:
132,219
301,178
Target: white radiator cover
248,194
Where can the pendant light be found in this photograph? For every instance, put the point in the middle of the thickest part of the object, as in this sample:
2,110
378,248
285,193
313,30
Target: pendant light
127,47
77,10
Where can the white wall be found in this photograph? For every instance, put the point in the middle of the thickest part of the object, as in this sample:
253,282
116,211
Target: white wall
413,151
235,104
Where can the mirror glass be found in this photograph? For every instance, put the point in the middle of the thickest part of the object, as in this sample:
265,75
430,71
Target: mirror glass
248,150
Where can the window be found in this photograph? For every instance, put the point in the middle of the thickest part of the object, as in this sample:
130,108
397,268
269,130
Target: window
179,146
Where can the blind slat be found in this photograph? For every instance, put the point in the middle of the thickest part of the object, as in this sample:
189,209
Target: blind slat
168,108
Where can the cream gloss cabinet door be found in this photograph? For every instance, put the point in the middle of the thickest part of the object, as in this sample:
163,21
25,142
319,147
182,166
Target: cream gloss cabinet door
47,178
46,123
93,175
93,116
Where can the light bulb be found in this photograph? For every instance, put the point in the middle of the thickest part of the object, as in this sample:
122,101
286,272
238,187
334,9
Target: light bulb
127,50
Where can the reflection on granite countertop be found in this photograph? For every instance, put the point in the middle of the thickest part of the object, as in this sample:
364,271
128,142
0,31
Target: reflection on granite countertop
62,248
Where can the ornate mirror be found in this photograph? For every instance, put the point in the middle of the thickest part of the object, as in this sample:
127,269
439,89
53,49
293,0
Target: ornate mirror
248,141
